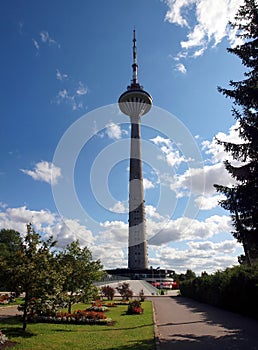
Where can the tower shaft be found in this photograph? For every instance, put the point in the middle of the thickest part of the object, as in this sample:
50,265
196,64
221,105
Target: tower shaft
136,102
137,250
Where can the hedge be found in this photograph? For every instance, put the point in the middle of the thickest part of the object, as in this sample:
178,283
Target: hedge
234,289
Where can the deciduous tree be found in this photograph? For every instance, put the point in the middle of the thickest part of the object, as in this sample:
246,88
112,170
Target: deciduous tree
79,271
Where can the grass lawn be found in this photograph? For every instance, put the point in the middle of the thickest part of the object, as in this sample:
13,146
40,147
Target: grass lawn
128,333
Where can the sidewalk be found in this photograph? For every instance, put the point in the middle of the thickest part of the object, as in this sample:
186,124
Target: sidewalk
184,324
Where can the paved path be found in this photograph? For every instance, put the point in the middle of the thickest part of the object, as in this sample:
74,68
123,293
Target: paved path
9,311
184,324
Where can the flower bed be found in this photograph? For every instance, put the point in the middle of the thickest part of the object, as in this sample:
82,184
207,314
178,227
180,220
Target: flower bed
97,308
77,317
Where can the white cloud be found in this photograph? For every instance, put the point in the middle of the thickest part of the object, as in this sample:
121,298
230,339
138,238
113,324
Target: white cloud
227,246
114,131
47,224
181,68
44,171
81,89
147,184
201,180
46,39
186,229
61,76
210,24
171,155
216,151
152,212
36,44
208,202
114,231
200,256
119,207
72,99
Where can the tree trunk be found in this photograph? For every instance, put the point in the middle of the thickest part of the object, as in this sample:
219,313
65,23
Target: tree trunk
69,307
25,313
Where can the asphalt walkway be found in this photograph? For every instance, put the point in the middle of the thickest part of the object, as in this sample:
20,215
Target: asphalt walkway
184,324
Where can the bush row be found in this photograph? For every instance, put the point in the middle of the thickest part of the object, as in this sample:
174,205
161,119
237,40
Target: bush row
235,289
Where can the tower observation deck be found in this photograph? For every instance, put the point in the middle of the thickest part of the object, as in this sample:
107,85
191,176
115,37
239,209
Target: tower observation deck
135,102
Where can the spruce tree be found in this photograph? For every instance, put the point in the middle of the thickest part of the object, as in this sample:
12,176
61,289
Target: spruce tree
241,200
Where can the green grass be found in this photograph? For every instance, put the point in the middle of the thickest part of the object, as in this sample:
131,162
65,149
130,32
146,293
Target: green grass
128,333
17,301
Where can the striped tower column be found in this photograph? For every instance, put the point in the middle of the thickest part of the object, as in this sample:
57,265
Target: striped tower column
136,102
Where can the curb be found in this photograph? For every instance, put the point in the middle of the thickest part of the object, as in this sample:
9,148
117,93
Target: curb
156,333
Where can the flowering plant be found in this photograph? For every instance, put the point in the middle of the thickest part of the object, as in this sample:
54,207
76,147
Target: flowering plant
134,307
3,338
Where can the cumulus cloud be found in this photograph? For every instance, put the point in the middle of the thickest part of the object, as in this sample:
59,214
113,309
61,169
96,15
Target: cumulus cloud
208,202
206,22
114,231
119,207
113,131
217,152
199,256
172,156
44,171
151,212
201,180
147,184
186,229
47,224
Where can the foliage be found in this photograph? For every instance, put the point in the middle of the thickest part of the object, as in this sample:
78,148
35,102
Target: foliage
242,198
108,292
10,242
50,280
79,272
32,268
187,276
235,289
141,295
134,308
124,290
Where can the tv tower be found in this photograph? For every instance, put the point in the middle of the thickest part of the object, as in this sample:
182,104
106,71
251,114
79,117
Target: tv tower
135,102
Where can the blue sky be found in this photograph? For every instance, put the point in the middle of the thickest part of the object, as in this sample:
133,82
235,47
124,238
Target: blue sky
63,67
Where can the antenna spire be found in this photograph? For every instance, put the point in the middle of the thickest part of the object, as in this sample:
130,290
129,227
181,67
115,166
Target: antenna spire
135,65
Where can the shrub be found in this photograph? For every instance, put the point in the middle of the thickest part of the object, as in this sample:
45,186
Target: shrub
124,290
134,307
235,289
108,292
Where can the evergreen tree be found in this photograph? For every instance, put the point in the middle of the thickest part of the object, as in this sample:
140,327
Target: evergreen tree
242,198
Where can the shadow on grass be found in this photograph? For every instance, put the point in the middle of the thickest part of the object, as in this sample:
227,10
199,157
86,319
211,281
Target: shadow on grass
137,345
7,326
